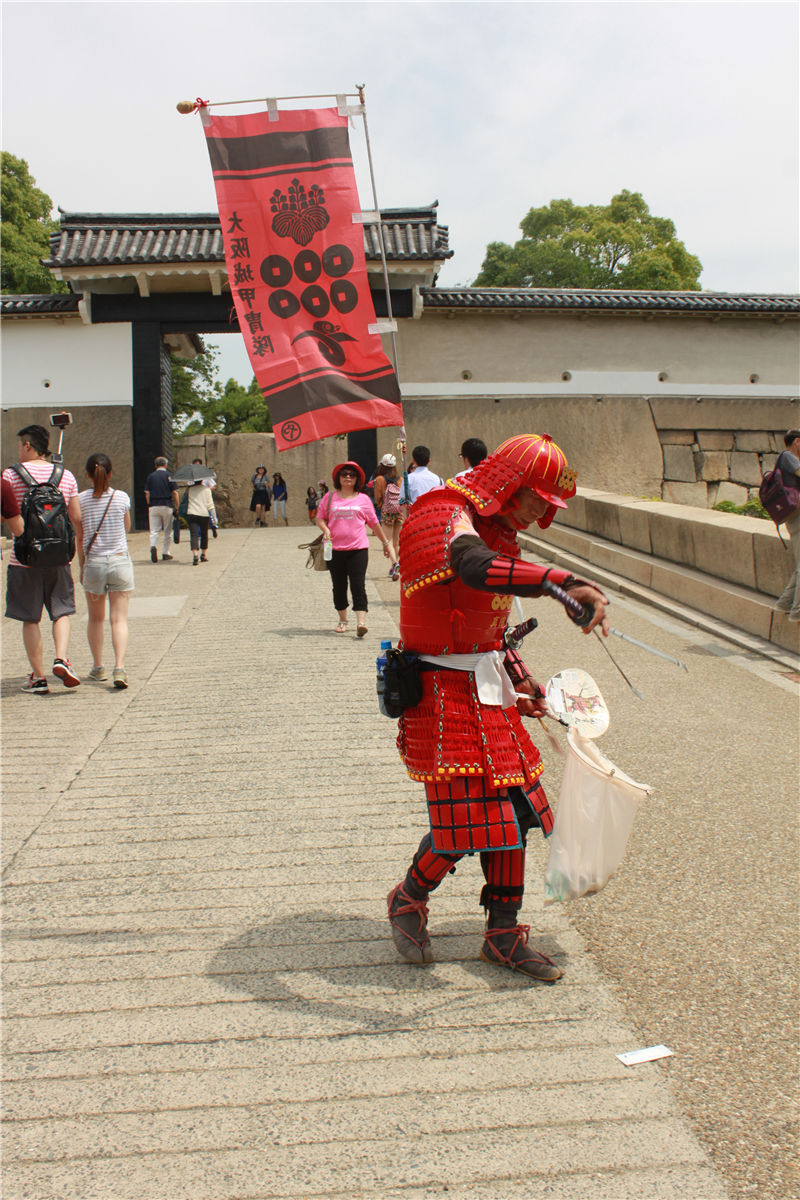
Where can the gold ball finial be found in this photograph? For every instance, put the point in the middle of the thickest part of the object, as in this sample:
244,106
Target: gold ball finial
184,106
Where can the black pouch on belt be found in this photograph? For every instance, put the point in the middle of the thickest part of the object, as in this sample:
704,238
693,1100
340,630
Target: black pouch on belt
403,682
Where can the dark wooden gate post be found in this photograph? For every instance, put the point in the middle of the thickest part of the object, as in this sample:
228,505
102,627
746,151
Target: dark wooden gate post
147,417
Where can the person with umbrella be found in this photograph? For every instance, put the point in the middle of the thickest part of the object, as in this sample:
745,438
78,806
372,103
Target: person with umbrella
200,508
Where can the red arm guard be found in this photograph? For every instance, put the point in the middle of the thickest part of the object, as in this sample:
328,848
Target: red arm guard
515,667
482,569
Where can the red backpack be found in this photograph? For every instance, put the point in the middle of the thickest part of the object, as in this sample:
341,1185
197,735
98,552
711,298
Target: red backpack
777,497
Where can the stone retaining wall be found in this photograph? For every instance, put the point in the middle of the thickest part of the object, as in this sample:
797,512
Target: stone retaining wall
705,466
740,550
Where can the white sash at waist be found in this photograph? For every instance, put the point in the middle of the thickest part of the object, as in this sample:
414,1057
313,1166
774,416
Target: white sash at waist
493,684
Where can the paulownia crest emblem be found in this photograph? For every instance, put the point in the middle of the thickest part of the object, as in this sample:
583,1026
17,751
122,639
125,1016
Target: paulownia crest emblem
299,214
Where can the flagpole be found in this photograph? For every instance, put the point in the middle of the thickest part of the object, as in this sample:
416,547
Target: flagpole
381,243
188,106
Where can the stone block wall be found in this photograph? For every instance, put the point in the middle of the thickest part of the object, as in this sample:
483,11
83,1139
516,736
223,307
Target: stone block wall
705,466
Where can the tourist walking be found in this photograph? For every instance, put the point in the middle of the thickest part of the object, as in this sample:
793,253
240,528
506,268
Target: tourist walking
32,589
388,487
789,463
279,498
161,496
199,511
312,503
260,500
343,516
106,566
420,478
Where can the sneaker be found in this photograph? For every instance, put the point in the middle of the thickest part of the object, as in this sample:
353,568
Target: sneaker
153,554
119,677
203,558
166,558
98,674
62,668
36,687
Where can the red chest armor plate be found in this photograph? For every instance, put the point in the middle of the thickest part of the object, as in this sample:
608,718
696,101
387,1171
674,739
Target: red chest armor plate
438,613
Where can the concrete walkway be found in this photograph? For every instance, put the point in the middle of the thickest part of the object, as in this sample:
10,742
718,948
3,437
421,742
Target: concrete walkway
202,999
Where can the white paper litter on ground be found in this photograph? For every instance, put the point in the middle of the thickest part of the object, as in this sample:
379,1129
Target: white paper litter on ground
631,1057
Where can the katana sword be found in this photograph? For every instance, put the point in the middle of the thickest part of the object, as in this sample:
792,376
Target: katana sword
643,646
583,613
619,668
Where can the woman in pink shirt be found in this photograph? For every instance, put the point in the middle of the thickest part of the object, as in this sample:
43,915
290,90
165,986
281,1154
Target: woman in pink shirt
343,516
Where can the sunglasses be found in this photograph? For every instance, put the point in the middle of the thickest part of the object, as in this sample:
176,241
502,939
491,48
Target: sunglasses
349,473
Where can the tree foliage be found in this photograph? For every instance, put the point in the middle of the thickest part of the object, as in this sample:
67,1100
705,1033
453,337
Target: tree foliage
202,404
24,234
620,245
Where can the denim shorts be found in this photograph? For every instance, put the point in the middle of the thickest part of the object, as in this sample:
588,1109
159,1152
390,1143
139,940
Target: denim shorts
108,573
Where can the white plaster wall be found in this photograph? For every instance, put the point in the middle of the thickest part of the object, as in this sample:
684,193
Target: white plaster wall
695,352
85,365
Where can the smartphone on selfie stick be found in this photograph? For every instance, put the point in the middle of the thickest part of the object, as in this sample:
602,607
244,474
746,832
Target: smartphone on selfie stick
60,421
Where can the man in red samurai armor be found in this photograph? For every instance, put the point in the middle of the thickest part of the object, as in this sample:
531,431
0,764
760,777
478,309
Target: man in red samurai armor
460,567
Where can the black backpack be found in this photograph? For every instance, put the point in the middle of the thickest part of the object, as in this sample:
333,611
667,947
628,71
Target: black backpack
48,539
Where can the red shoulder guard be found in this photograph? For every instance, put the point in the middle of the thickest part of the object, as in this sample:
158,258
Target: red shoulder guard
425,539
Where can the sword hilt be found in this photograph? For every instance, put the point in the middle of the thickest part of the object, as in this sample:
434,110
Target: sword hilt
513,637
581,614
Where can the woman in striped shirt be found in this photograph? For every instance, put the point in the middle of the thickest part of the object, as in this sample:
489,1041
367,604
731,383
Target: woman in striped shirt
106,565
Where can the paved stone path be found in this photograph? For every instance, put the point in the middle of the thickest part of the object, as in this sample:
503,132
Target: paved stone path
202,1000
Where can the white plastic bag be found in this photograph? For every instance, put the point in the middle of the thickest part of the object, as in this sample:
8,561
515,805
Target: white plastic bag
595,813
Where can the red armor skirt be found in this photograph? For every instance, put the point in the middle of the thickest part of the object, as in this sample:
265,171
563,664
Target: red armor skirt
468,755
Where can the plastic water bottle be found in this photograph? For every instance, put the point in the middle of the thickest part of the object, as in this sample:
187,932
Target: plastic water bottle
327,549
380,664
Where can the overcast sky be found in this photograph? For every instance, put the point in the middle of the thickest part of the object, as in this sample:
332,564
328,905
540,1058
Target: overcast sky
491,108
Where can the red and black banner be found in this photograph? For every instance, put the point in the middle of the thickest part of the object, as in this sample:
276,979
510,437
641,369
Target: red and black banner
286,193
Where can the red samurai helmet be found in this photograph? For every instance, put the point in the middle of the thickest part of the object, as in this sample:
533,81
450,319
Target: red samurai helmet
530,460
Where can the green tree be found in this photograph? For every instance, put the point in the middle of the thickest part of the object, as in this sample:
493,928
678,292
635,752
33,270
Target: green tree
201,404
619,245
24,234
235,409
193,384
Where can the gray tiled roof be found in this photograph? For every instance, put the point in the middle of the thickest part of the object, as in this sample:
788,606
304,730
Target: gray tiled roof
150,239
39,305
586,299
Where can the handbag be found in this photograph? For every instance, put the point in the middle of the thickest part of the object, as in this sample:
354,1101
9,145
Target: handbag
316,549
316,554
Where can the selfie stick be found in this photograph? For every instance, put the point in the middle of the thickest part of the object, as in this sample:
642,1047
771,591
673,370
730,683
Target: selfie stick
61,421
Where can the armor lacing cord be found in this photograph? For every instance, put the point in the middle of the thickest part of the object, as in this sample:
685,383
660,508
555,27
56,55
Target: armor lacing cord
406,907
521,933
457,620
